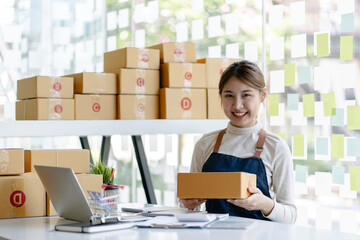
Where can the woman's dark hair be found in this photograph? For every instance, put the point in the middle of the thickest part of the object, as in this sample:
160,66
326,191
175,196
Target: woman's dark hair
246,71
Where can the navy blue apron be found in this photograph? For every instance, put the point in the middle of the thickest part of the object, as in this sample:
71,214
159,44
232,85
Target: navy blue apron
218,162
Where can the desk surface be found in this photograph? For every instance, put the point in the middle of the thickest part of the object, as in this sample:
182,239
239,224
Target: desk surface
43,228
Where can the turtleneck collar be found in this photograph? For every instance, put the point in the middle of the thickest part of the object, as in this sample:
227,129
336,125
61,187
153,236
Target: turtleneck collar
236,130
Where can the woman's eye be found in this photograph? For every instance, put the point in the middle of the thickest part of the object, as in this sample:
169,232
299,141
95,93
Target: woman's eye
246,95
228,95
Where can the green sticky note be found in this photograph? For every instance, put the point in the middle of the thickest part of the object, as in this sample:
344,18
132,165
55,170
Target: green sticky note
354,178
346,47
298,145
347,22
309,105
293,101
322,45
282,135
322,146
301,173
337,145
353,117
353,149
304,74
289,75
338,118
329,103
338,175
274,105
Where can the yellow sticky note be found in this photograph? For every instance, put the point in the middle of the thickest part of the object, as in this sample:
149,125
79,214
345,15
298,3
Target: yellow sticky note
289,74
337,145
309,105
329,104
354,178
346,47
322,45
298,145
353,117
273,104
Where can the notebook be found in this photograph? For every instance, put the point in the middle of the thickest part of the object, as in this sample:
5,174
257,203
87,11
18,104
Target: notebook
153,211
87,227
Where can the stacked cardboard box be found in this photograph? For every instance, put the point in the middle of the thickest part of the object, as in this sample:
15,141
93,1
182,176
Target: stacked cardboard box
182,93
138,81
45,98
214,69
95,96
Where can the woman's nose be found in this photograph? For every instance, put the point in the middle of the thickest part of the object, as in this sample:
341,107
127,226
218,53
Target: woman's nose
238,103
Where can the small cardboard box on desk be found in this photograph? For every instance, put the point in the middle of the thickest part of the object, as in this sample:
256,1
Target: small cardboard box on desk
11,161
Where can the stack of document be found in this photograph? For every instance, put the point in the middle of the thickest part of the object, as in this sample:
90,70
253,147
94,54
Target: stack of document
154,211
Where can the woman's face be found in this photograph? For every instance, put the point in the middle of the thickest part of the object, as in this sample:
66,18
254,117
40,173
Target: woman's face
241,103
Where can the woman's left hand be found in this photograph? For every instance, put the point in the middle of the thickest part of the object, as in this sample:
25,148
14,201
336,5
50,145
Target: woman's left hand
256,201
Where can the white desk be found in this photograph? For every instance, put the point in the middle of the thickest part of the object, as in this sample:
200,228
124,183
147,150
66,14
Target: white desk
43,228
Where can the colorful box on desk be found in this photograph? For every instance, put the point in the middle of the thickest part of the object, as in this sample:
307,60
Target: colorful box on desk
95,107
45,87
183,75
45,109
215,68
137,81
88,182
22,196
77,159
138,106
11,161
182,103
176,52
216,185
132,58
94,83
214,106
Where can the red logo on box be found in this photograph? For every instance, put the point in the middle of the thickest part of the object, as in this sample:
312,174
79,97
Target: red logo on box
58,108
177,52
96,107
17,198
140,82
188,75
140,107
185,103
222,70
145,57
57,86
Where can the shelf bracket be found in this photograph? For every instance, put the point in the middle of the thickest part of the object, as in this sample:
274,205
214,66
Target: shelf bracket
105,149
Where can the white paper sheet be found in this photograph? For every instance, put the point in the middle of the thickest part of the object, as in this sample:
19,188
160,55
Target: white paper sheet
231,24
197,30
298,46
280,119
214,52
140,38
276,15
277,81
214,26
182,32
323,182
251,51
277,48
232,50
297,13
123,18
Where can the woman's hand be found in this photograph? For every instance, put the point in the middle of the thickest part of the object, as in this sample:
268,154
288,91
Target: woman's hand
256,201
192,202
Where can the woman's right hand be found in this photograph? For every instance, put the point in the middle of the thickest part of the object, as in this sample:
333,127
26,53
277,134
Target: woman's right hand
192,203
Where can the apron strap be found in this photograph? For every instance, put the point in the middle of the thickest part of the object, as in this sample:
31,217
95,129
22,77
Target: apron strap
260,143
218,140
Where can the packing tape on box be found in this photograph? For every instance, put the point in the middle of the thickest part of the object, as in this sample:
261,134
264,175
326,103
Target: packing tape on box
101,78
188,71
179,52
140,106
55,87
140,81
186,103
4,160
55,109
143,58
17,197
96,105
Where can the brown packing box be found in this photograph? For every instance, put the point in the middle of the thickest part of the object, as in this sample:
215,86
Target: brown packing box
138,106
11,161
214,69
22,196
95,83
88,182
217,185
45,87
77,159
182,103
45,109
91,107
214,106
183,75
132,58
137,81
176,52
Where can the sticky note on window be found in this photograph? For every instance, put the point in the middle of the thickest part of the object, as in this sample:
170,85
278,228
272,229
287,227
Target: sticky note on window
289,74
276,15
346,47
277,84
273,104
337,145
338,118
322,45
277,48
354,178
353,117
323,183
298,145
353,149
304,74
347,22
322,146
293,101
298,46
338,174
297,13
301,173
329,103
309,105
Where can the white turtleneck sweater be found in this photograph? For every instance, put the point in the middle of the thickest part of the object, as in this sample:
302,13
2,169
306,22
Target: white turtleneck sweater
276,156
